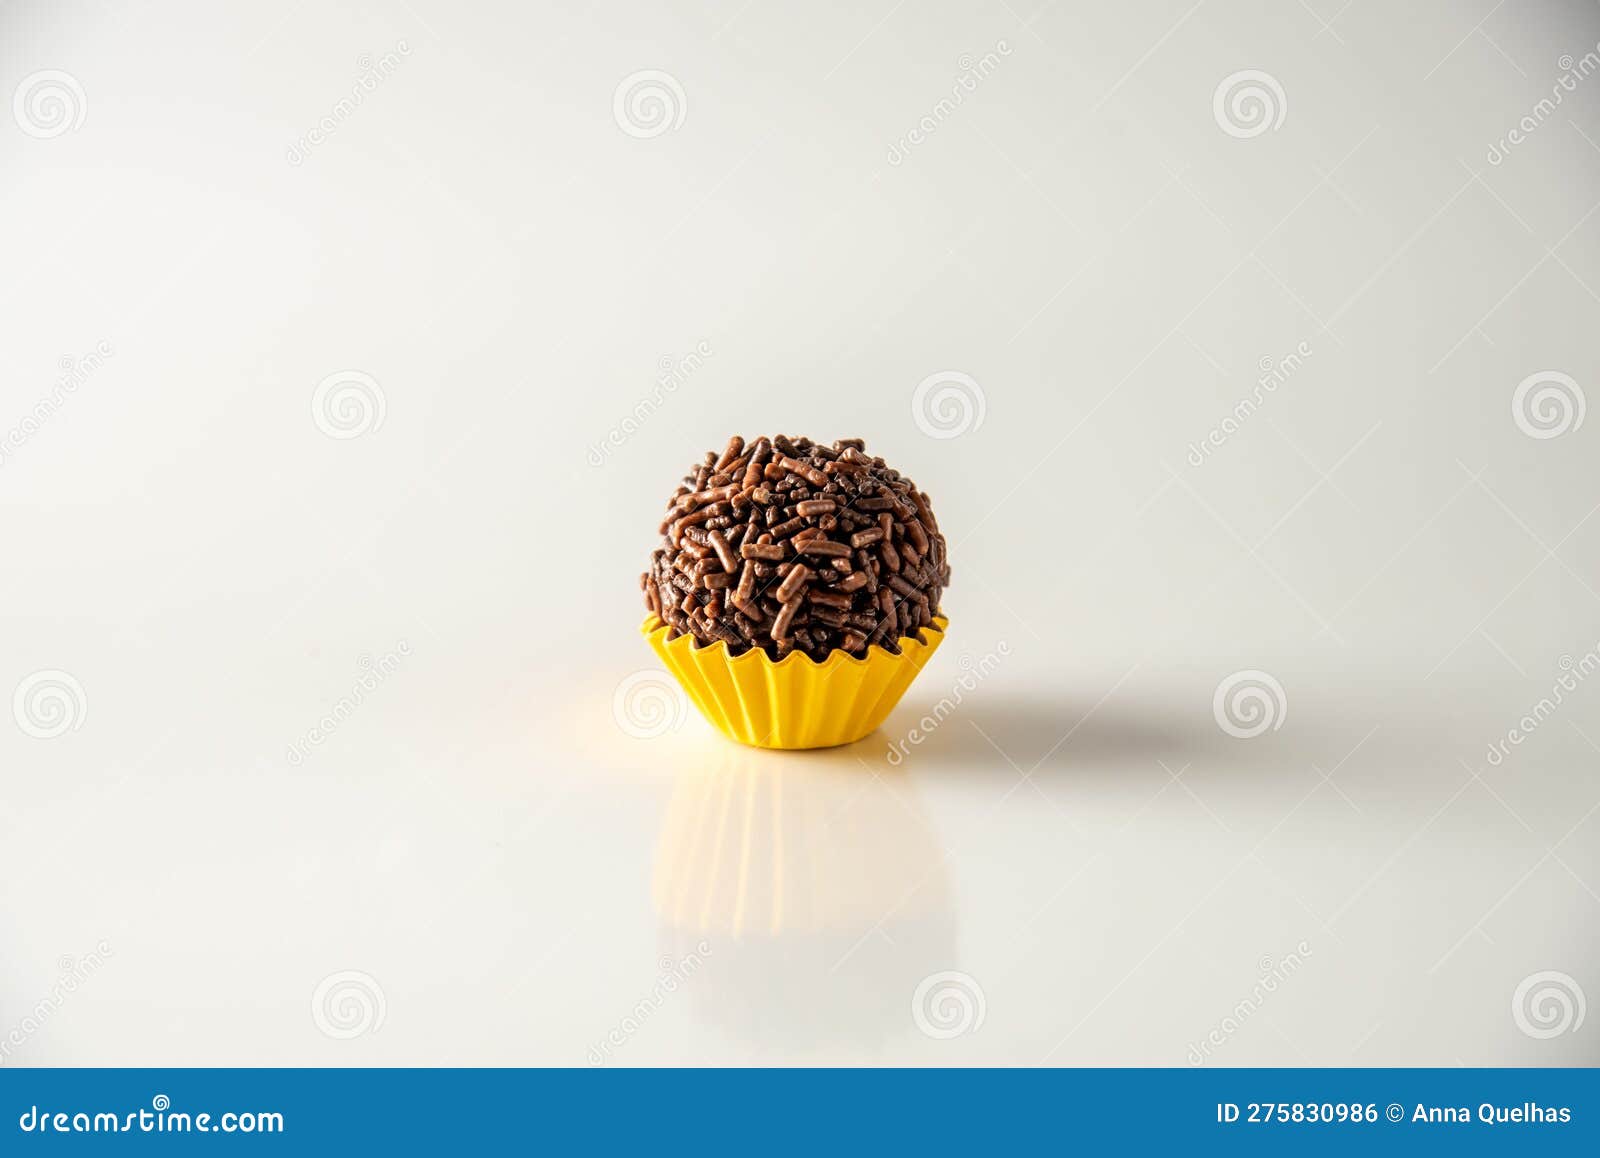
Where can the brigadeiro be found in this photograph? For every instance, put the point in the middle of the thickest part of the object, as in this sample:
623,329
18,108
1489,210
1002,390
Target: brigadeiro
783,545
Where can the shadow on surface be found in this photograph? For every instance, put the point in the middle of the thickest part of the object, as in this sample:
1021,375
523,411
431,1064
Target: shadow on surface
983,737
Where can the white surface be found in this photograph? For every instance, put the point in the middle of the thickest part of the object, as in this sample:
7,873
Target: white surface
479,839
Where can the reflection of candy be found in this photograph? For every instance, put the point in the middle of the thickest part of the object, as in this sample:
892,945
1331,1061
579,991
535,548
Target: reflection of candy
751,848
824,896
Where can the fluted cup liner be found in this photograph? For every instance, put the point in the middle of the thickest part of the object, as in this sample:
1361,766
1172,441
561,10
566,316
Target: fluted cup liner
794,702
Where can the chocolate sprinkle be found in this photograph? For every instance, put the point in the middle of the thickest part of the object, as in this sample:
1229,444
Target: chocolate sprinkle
787,545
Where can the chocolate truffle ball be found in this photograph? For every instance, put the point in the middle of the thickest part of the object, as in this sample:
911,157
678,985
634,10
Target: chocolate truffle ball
788,545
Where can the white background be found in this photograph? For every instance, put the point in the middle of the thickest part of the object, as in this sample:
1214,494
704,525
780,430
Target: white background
486,841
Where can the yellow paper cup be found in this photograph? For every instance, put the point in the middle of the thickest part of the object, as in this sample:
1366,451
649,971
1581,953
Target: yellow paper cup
794,702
